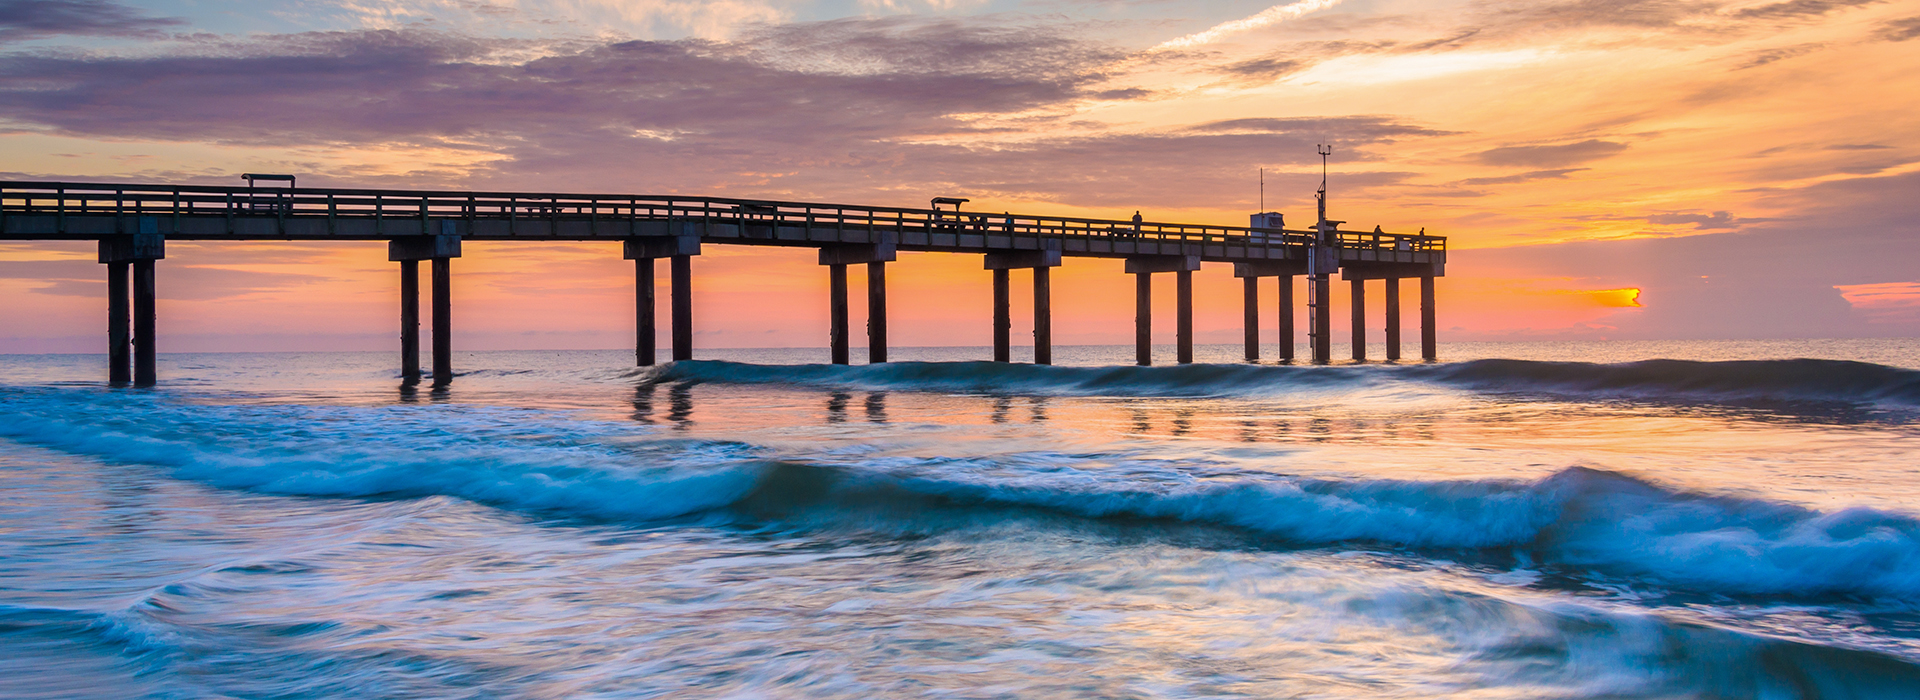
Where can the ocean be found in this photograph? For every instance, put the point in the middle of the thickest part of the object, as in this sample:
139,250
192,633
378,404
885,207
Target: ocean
1523,520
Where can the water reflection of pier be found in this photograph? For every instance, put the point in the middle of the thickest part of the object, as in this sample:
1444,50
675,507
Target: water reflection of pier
683,406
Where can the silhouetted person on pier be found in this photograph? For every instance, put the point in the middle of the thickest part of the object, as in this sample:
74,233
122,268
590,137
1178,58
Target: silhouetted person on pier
1136,224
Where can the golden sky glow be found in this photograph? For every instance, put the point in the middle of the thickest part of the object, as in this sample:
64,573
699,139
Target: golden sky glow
1604,168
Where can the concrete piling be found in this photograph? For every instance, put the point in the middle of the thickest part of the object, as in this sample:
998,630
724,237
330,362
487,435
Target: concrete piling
1359,299
877,311
837,314
1393,319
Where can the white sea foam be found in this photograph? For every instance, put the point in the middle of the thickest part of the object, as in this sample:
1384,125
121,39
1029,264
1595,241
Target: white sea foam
1578,520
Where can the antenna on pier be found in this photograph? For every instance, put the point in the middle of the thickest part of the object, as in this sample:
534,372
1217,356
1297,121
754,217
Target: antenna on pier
1324,150
1263,189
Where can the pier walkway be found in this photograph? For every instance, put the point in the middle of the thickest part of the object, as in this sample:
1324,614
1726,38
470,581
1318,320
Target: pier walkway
132,223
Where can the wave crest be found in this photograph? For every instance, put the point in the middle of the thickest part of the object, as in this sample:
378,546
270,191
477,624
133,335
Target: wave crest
1816,380
1764,380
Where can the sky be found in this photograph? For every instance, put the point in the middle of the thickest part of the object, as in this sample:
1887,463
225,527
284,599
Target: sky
1604,169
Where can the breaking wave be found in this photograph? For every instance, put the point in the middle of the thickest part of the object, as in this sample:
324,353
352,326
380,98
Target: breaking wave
1742,380
1786,380
1579,520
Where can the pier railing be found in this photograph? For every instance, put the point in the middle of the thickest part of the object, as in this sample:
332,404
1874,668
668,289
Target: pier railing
177,202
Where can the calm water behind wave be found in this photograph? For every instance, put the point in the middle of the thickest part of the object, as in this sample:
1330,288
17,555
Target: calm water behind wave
1582,520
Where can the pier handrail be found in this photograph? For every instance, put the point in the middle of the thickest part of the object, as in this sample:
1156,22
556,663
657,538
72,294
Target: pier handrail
176,201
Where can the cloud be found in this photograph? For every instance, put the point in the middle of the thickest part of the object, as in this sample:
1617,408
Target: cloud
1800,8
1718,220
1264,70
1265,18
887,105
916,46
1609,13
1551,156
1900,29
33,19
1295,58
1557,174
328,87
1762,58
1678,24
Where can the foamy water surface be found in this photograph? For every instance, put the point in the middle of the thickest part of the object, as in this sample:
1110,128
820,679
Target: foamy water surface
1598,520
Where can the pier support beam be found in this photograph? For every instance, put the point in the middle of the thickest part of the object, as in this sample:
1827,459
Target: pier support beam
1429,350
1392,273
1143,318
1319,313
409,251
837,314
1183,316
1251,272
645,325
1002,317
1286,317
681,269
1042,316
1144,267
1393,319
1320,317
145,317
1041,262
1322,261
1250,319
119,331
680,251
129,259
876,312
875,256
1359,298
442,321
409,322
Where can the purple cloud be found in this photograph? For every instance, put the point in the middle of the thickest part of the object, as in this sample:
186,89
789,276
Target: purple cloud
869,105
1901,29
33,19
1555,156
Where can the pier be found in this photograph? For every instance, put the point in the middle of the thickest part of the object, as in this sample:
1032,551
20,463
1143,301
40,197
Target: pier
133,222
